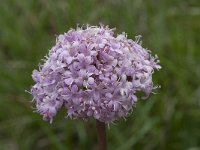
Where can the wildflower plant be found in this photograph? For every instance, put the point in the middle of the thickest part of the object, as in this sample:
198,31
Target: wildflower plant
92,73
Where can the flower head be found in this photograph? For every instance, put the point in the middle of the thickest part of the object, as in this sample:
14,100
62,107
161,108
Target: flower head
92,73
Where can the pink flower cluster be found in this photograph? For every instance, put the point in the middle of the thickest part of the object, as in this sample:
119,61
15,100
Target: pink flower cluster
92,73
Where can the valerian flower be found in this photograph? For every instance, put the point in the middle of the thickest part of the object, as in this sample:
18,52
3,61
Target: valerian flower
92,73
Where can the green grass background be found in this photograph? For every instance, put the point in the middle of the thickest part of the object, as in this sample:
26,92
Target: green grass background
169,120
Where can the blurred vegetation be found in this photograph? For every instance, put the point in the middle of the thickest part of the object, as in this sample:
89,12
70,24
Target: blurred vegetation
168,120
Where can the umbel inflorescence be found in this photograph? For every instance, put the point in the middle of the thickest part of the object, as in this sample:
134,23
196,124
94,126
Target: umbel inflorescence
92,73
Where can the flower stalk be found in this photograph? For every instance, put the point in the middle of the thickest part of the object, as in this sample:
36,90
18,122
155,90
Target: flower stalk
101,135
